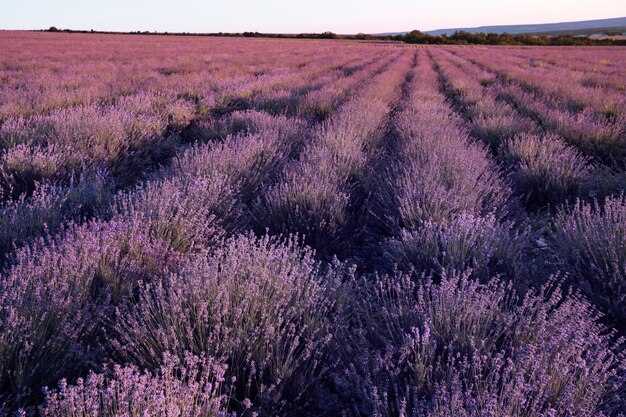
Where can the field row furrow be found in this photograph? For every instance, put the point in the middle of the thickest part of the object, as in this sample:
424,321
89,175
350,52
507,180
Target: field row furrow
314,195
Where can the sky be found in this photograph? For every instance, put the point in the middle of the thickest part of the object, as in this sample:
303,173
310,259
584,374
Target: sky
284,16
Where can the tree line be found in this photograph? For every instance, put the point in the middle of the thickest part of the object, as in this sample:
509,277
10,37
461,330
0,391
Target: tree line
413,37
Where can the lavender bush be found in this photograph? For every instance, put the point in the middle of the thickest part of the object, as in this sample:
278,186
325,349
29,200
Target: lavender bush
50,206
190,388
464,348
316,208
468,242
190,213
547,170
591,241
436,188
260,306
23,167
54,294
246,160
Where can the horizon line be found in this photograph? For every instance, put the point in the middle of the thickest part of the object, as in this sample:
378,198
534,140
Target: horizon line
309,32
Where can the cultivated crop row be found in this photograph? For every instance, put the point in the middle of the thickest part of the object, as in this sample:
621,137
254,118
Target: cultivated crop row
593,120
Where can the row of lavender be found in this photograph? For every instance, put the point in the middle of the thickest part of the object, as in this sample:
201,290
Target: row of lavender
587,115
465,343
550,167
197,293
65,165
125,131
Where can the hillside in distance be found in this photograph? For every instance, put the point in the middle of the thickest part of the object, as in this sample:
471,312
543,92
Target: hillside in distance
586,26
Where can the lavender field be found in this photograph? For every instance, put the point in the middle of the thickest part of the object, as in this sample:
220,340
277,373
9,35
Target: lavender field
258,227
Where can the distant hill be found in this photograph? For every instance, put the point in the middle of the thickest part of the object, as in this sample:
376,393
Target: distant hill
586,27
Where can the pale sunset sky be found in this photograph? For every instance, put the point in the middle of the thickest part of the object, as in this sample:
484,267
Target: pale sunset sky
283,16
